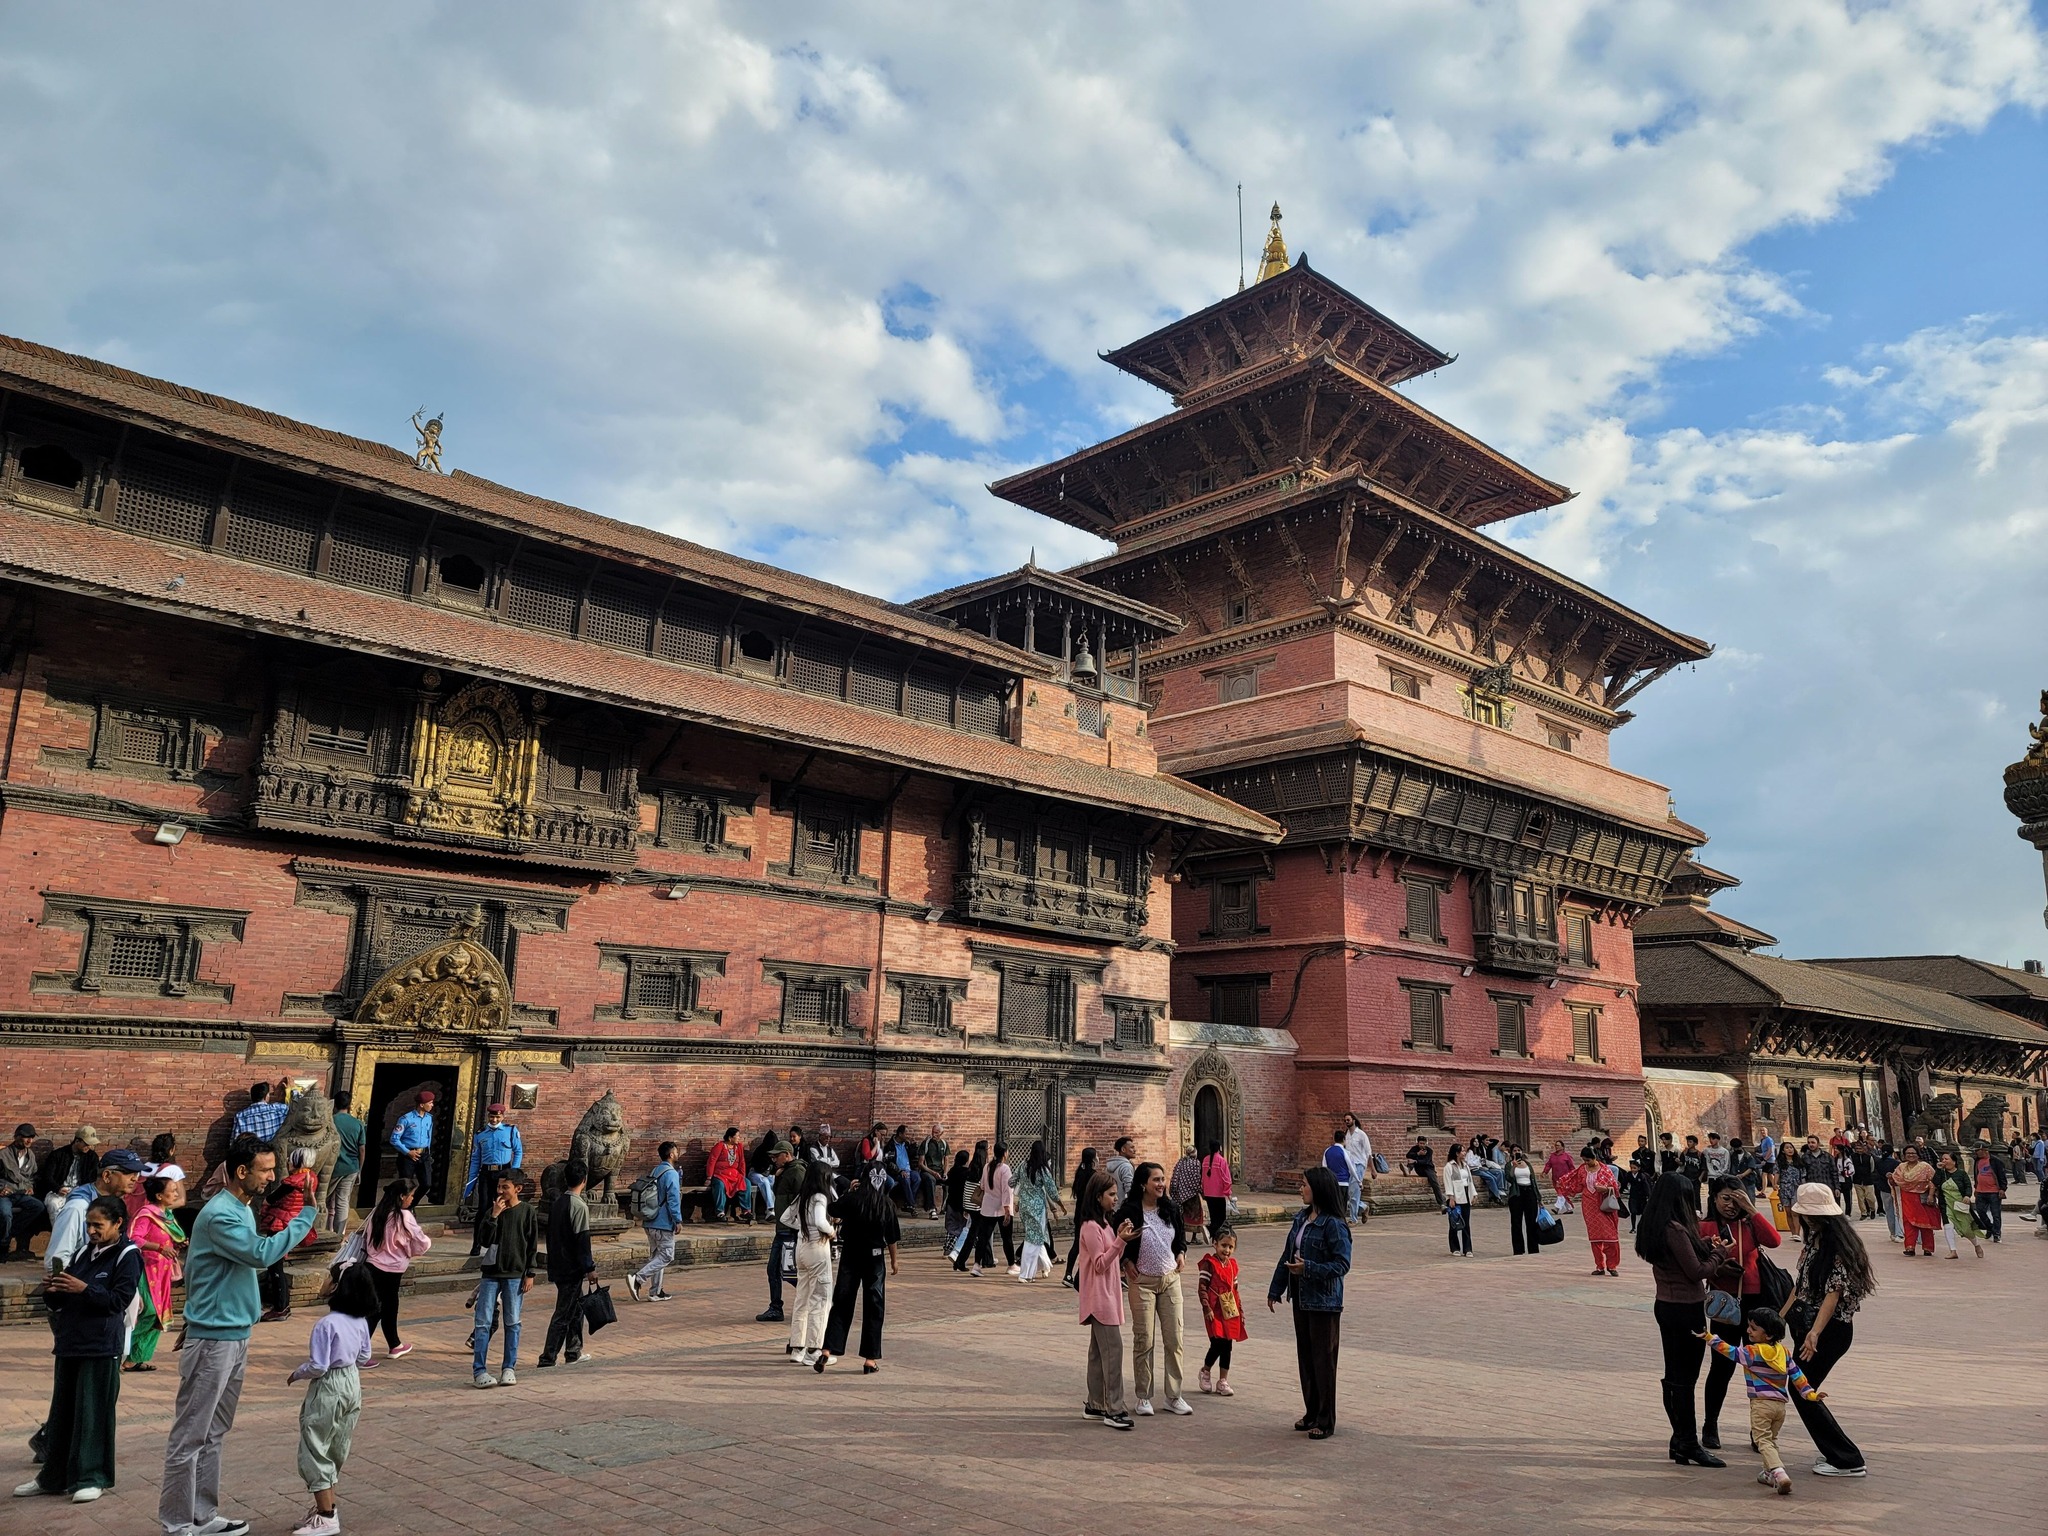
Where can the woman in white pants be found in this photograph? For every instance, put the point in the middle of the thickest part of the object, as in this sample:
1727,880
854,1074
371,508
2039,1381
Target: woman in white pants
807,1215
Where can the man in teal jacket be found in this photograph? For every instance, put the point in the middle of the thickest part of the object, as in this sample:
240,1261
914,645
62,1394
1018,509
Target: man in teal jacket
221,1306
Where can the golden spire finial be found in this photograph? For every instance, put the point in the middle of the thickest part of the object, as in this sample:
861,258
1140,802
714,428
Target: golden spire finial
1274,261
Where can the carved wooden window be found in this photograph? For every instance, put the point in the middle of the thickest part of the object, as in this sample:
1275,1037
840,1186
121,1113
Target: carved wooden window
929,697
1578,939
370,551
542,593
927,1007
826,841
1003,848
814,1002
1237,610
1795,1110
165,500
659,983
1483,710
1764,1107
754,651
1108,868
1132,1020
691,819
1407,684
818,665
1591,1113
690,634
1036,1003
1234,1001
1424,900
1233,907
1090,719
981,707
1056,860
339,728
1679,1034
461,578
1425,1015
1511,1027
579,769
138,949
619,615
1429,1113
274,524
130,738
50,467
1029,1111
876,682
1585,1031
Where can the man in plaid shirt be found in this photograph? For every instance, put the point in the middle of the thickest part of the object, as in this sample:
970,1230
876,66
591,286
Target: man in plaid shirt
264,1115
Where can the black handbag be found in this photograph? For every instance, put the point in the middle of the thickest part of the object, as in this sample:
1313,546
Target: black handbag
598,1311
1773,1284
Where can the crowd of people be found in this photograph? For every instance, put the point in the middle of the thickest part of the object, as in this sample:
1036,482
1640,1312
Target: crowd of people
1706,1216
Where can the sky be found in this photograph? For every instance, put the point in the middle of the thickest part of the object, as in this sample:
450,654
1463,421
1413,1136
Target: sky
1762,281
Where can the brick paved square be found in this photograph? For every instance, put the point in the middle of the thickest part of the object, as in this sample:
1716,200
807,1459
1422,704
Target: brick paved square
1475,1396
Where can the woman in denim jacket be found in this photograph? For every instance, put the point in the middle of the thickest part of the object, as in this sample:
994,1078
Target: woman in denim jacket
1310,1274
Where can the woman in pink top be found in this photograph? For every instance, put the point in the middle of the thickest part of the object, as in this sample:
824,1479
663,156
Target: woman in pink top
998,1203
1216,1186
392,1241
1099,1278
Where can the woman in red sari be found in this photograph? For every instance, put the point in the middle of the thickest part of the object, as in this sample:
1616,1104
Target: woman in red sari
1599,1193
1919,1205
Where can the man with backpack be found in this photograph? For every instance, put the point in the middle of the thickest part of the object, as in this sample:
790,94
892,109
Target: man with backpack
656,1201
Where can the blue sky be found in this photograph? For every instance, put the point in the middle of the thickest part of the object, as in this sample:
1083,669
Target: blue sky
1760,280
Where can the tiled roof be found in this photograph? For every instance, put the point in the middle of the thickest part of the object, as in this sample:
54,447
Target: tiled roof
243,429
1053,581
1956,974
1676,920
60,552
1699,975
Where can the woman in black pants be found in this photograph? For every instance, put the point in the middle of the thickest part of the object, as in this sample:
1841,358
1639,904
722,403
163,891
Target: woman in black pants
1834,1277
1668,1240
1084,1175
868,1235
1524,1196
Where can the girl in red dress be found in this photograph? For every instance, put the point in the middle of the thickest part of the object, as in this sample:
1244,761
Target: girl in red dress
1599,1193
1222,1309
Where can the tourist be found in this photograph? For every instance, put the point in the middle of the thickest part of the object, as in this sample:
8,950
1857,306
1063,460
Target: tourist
808,1217
959,1224
1102,1297
336,1355
297,1191
395,1240
938,1160
1741,1166
1222,1310
1556,1166
1692,1162
1863,1177
1216,1187
873,1151
1598,1190
1733,1222
725,1179
1642,1166
511,1259
1457,1187
571,1266
868,1235
1038,1194
1084,1175
1834,1280
1919,1206
492,1151
1990,1179
155,1232
993,1212
1770,1375
1882,1167
114,1175
1766,1149
2016,1154
1121,1167
761,1174
71,1166
413,1139
1952,1198
920,1190
1485,1173
659,1205
21,1211
1525,1195
970,1204
1357,1148
348,1172
1338,1161
1791,1174
1153,1259
1422,1163
1819,1165
1667,1153
1716,1157
1310,1275
221,1307
1680,1260
789,1181
265,1112
88,1305
1184,1189
2040,1154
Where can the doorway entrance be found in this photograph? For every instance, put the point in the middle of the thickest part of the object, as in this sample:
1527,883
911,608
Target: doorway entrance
1209,1131
1514,1119
394,1087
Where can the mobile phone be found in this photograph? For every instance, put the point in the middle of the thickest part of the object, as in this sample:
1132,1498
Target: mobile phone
56,1267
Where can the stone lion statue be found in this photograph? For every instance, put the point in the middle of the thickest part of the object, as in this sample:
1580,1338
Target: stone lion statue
309,1123
1938,1116
601,1141
1986,1121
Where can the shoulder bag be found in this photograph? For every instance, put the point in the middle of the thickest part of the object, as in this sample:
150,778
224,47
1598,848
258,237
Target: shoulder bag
598,1311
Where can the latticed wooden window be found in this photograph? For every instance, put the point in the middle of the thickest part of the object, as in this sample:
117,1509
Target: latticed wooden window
926,1007
1578,938
619,615
1511,1026
826,842
929,697
1424,898
876,683
1431,1113
659,990
579,769
339,727
691,821
146,742
1026,1007
543,595
1425,1016
1235,907
371,552
814,1001
1133,1025
1024,1114
689,634
1088,715
274,525
818,665
1589,1114
138,957
981,708
166,501
1235,1003
1585,1031
1407,684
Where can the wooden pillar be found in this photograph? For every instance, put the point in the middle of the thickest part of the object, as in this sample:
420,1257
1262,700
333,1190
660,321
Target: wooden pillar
1030,621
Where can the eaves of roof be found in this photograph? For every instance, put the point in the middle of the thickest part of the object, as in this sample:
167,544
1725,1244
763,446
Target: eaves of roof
62,553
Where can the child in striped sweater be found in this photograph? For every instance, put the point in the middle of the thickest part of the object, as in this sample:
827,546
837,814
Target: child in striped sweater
1772,1375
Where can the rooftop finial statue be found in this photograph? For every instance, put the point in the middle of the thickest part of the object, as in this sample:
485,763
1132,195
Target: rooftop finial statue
1274,260
429,454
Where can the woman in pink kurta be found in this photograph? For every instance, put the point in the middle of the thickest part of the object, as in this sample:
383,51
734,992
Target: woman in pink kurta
1595,1185
1098,1276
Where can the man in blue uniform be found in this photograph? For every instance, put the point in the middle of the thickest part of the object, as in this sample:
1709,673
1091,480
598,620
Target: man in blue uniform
493,1149
413,1138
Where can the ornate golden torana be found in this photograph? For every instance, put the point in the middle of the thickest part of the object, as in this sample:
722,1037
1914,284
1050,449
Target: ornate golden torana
456,989
475,765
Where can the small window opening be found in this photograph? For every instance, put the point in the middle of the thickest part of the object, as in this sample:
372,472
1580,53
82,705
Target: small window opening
51,465
462,573
756,646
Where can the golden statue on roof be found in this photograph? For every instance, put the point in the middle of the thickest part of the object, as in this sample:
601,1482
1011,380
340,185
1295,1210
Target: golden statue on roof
1274,261
428,455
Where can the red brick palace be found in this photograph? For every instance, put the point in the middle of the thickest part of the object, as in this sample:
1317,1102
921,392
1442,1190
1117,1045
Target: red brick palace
322,764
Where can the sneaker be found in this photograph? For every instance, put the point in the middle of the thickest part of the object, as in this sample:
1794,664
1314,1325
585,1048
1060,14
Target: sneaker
1781,1480
508,1377
633,1286
221,1525
577,1359
1827,1469
483,1379
87,1495
1179,1405
397,1352
1202,1380
1223,1387
976,1271
802,1357
772,1315
1015,1270
317,1524
660,1296
1090,1411
1144,1407
1764,1477
32,1489
1118,1421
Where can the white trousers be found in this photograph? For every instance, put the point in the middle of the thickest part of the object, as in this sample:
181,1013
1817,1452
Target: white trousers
1034,1262
813,1296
